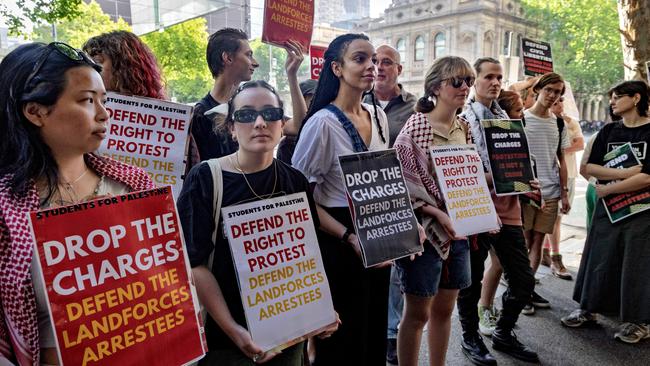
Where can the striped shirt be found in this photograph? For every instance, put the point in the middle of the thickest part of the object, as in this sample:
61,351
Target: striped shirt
543,138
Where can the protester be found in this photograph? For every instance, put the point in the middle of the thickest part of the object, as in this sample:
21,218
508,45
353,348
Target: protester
615,263
128,65
546,140
511,103
53,118
338,123
525,90
429,295
231,61
254,119
392,97
288,143
551,256
398,105
509,244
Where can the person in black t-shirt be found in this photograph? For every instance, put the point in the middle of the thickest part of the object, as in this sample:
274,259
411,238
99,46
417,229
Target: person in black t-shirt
251,173
615,265
230,60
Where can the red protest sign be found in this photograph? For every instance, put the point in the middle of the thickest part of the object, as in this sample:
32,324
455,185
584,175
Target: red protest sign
316,60
288,19
117,281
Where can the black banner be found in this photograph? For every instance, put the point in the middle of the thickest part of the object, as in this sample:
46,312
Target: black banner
537,57
380,206
509,156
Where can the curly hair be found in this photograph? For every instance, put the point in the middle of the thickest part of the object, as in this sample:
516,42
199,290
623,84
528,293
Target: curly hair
135,70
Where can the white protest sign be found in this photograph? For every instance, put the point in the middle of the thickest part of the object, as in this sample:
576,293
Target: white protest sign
462,182
281,276
148,133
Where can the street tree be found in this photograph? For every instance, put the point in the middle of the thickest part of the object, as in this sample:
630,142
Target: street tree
180,50
635,35
585,41
37,12
92,21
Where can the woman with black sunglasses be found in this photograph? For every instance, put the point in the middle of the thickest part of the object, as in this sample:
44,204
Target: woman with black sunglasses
431,282
52,119
254,118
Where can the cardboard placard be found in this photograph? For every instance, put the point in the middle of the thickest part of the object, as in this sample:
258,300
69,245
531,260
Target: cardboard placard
282,281
149,133
537,57
288,20
509,157
623,205
380,206
460,176
316,60
118,281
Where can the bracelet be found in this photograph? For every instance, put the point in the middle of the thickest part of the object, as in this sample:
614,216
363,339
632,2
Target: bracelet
346,235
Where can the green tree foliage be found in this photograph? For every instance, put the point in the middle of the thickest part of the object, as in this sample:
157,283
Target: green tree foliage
92,21
180,50
262,53
38,12
585,41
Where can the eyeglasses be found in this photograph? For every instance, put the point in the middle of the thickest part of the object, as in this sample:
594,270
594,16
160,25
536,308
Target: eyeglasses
386,62
64,49
457,82
250,115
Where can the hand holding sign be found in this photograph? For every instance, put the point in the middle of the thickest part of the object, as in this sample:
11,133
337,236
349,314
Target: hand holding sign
294,57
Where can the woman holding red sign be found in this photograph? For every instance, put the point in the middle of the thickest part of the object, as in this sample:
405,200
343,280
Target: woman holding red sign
52,119
615,264
254,118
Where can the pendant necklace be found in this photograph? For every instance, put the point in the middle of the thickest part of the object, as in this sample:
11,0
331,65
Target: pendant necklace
275,181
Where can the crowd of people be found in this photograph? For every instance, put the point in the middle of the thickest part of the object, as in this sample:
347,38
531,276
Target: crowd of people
54,118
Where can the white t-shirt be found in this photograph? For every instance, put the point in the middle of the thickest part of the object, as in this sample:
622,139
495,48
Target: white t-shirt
321,141
543,137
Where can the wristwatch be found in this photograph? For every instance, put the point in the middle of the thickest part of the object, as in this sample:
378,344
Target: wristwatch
346,235
565,189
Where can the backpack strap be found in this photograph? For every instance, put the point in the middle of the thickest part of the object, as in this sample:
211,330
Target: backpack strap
217,184
560,129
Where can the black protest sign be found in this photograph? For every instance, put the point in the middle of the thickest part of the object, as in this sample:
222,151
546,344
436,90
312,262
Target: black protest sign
380,206
537,57
509,156
622,205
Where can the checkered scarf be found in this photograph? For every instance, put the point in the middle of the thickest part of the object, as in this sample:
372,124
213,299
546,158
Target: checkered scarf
18,323
412,145
357,141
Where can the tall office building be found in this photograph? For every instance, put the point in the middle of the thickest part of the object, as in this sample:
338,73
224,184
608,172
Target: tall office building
149,15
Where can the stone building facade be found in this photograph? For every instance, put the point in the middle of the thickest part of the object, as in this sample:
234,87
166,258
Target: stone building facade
423,30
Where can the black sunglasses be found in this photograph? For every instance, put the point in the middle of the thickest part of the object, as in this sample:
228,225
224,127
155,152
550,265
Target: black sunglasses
457,82
64,49
271,114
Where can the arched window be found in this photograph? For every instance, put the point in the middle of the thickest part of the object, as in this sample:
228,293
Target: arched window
517,45
439,45
419,48
400,46
507,40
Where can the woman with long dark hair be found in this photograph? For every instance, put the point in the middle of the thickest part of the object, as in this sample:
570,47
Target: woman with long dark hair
52,119
129,66
615,265
338,123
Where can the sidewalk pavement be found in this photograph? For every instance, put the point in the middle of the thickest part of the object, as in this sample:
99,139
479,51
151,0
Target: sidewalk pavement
556,344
